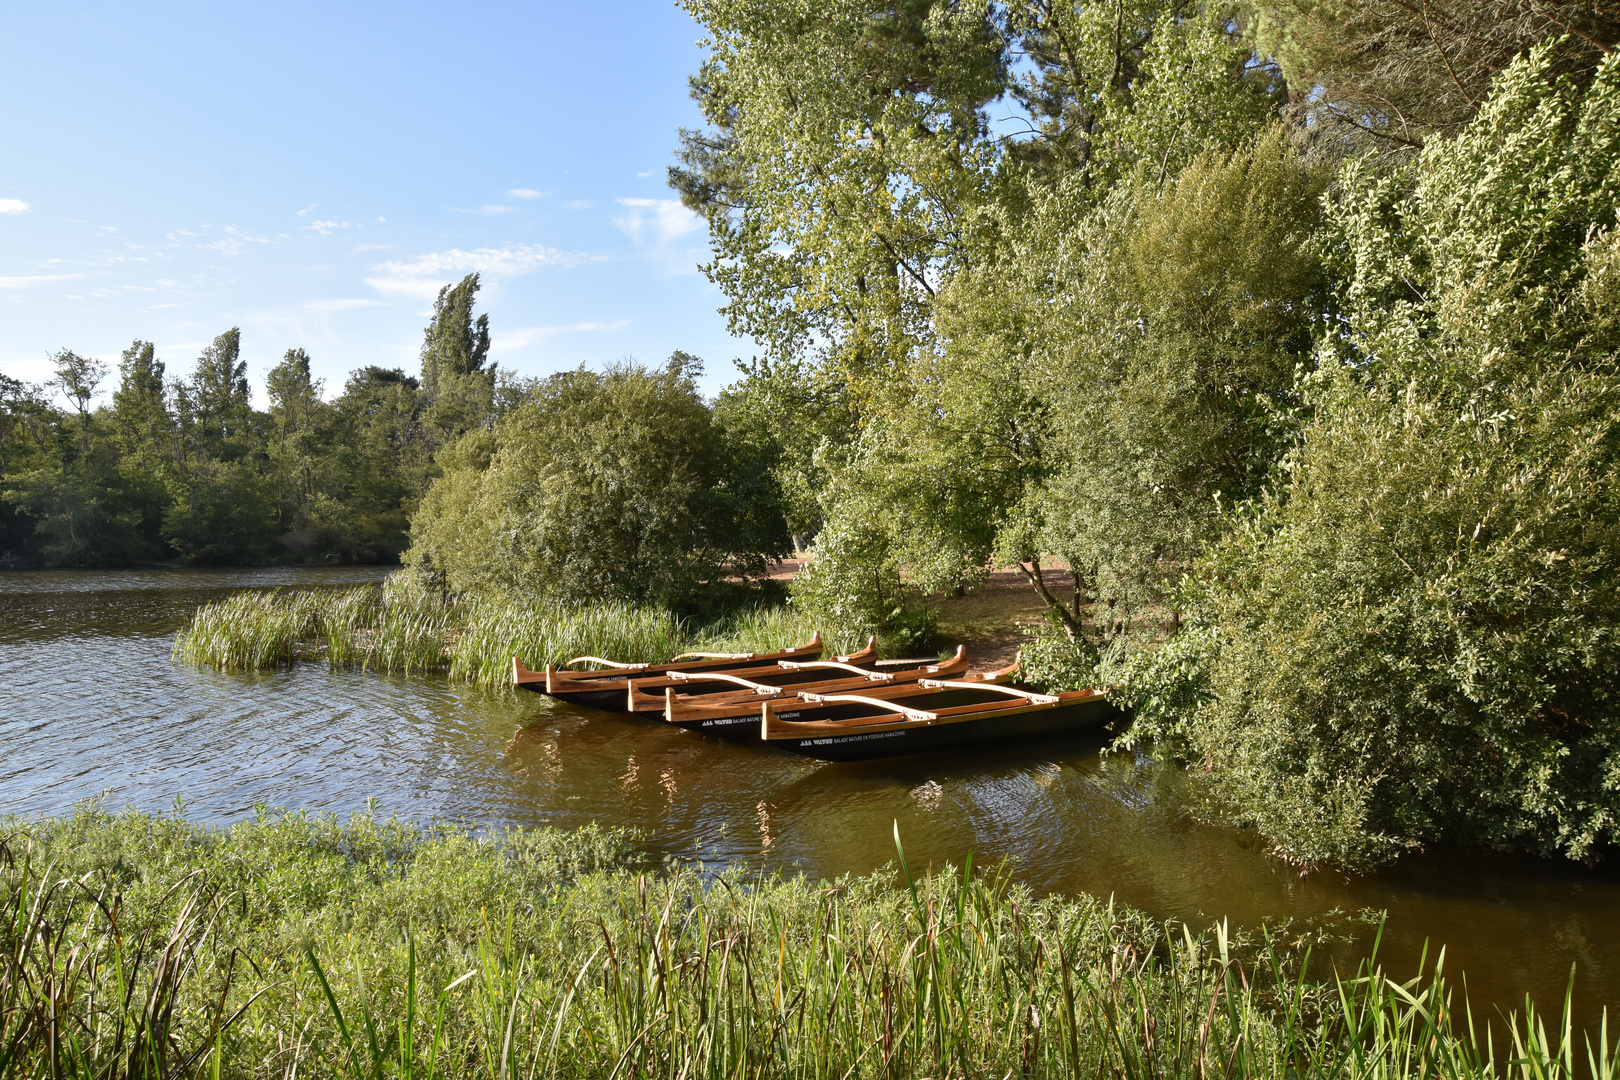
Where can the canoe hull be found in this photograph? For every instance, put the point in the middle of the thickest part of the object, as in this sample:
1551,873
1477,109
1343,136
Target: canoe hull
743,725
857,745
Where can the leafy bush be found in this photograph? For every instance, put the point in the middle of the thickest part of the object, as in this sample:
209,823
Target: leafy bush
613,485
1418,634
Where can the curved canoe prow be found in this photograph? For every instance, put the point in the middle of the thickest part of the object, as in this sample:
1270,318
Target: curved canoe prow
1000,675
863,656
523,677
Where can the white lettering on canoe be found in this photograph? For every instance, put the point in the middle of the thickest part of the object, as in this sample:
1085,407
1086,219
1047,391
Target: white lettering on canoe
840,739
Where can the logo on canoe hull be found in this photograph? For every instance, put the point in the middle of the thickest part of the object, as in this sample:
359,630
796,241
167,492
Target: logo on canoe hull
840,740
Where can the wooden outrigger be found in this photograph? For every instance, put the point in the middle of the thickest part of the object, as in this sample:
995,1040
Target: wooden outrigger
609,689
736,715
933,715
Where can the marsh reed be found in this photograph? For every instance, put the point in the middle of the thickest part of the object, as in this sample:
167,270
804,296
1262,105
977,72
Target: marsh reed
290,945
396,629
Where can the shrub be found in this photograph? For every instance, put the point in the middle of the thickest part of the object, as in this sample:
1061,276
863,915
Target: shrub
613,485
1417,636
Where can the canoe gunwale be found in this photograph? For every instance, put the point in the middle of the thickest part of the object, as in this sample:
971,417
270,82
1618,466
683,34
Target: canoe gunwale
733,703
774,729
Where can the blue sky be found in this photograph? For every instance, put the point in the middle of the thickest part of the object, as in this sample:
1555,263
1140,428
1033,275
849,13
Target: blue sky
313,173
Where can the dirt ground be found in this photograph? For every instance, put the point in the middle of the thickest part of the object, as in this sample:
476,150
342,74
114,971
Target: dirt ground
993,620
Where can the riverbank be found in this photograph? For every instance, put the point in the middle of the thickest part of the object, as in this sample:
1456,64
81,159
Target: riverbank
292,945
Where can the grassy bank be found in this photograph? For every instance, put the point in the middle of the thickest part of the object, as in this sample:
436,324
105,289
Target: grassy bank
292,946
403,630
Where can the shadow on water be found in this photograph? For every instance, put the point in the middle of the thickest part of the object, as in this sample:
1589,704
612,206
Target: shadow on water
90,703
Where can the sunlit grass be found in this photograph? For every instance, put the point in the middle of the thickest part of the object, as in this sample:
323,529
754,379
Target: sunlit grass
399,630
293,946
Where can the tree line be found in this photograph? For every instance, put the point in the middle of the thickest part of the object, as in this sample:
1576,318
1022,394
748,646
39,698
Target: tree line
185,468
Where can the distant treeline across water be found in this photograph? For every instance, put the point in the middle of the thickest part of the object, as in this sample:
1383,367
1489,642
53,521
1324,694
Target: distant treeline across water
184,468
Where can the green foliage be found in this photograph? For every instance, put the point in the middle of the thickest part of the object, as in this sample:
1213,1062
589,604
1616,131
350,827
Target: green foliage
457,386
188,470
792,417
855,585
1392,74
289,944
1418,630
1178,323
611,485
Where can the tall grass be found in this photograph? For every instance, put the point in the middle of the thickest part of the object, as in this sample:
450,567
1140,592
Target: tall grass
404,630
495,632
376,950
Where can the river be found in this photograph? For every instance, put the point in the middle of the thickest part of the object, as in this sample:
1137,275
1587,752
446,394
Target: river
92,707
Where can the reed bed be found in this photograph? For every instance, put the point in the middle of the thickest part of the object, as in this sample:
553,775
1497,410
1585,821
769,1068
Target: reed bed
292,946
398,629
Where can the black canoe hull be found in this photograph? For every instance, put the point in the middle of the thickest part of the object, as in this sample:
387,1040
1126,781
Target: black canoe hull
860,745
605,699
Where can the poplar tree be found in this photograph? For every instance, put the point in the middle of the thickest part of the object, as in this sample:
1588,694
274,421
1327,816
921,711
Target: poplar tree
458,382
139,410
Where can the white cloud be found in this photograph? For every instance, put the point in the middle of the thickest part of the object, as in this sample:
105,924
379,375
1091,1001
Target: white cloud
343,304
488,210
512,340
658,221
327,228
526,193
579,204
12,206
26,280
423,276
308,208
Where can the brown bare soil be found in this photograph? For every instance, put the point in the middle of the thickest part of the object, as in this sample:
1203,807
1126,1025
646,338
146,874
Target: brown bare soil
992,620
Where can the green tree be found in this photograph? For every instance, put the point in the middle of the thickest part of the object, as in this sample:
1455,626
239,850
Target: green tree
1395,72
611,484
220,507
221,406
140,411
77,378
869,224
381,462
144,434
458,383
314,522
1414,637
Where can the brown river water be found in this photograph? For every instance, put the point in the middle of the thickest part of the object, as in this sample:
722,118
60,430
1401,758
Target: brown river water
91,706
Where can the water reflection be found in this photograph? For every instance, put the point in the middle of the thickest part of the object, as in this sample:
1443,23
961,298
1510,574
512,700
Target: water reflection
90,703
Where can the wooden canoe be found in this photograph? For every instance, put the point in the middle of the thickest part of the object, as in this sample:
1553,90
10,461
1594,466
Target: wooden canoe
608,688
646,694
860,727
736,715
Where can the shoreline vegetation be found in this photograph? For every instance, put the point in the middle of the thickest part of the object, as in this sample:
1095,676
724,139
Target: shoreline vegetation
401,628
292,945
